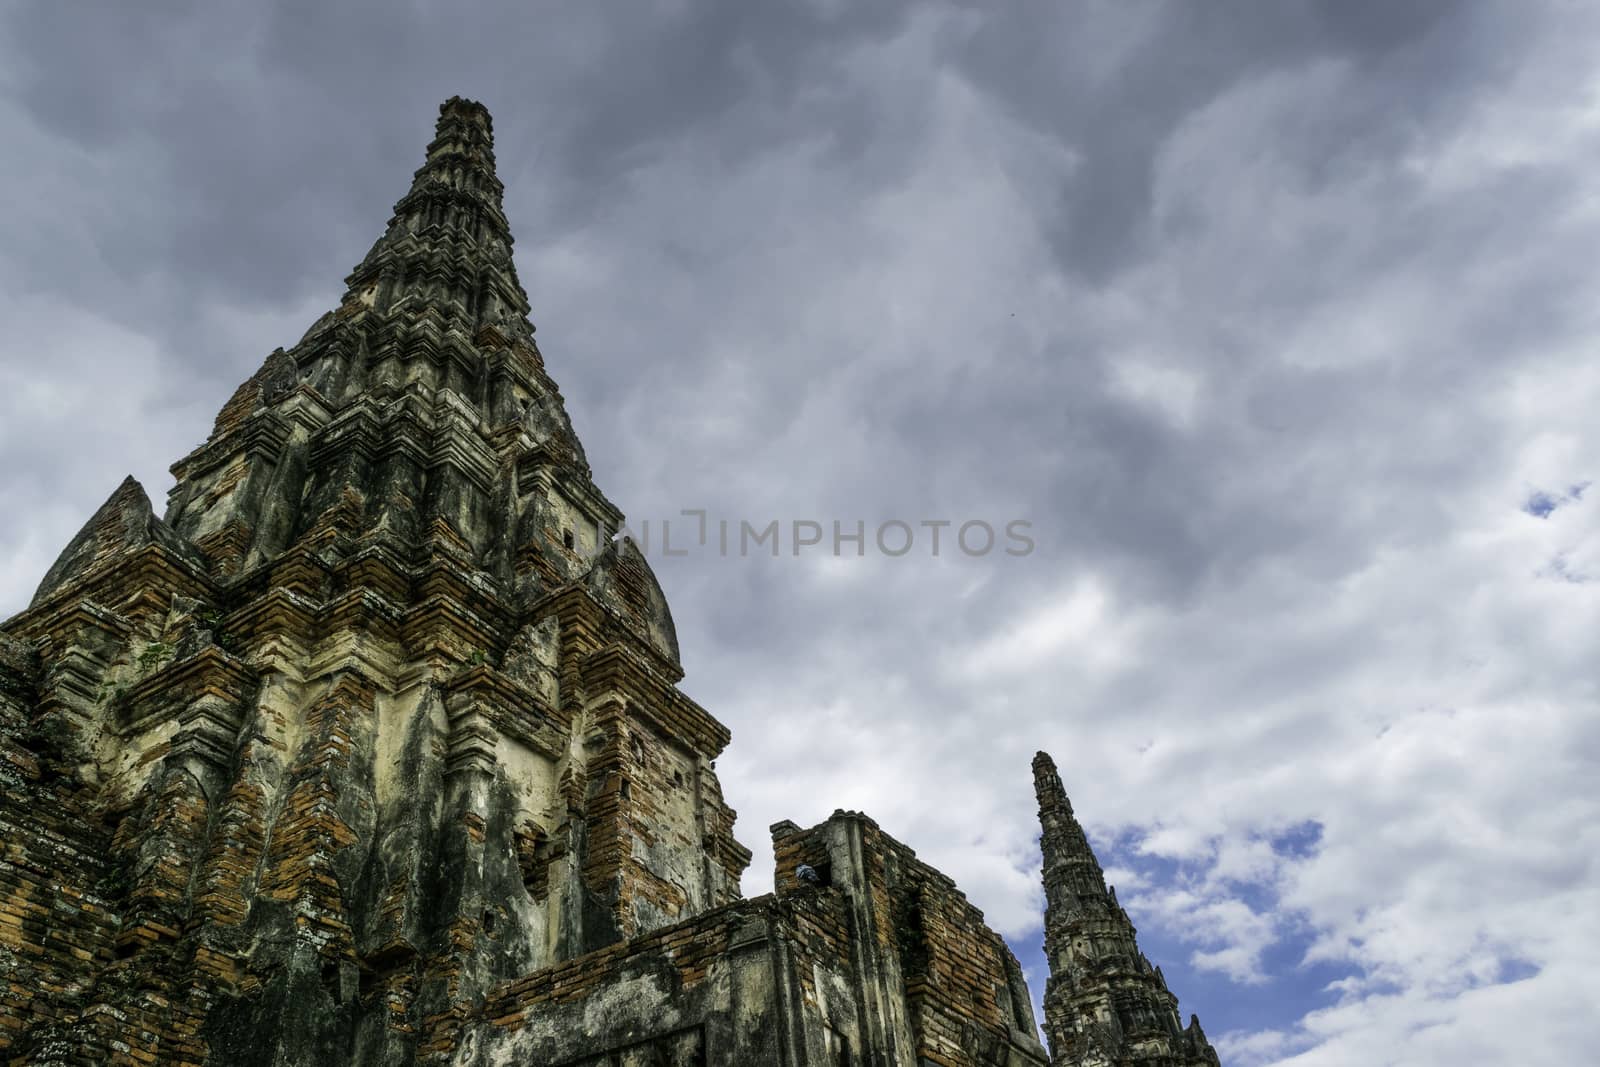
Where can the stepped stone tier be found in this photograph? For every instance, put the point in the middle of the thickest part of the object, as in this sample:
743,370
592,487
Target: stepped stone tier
371,751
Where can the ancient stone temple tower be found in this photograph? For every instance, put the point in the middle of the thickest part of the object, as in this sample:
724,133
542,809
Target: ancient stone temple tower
1104,1005
371,751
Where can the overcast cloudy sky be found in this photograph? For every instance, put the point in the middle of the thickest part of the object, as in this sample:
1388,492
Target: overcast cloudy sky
1278,321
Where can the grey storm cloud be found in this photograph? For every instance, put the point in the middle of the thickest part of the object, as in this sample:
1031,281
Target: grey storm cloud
1115,80
1274,319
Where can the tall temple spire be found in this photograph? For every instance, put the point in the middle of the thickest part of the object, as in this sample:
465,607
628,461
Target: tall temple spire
1104,1004
1068,857
378,634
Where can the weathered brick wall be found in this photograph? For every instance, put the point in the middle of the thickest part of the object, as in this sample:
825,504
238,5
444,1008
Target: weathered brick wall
659,840
270,878
69,993
760,981
964,998
958,972
57,907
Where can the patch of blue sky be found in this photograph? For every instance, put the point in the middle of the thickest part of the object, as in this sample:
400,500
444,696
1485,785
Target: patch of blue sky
1292,989
1540,504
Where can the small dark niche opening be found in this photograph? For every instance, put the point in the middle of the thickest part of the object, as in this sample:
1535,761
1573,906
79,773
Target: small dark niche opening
677,779
567,539
913,942
330,978
625,790
488,921
533,860
824,871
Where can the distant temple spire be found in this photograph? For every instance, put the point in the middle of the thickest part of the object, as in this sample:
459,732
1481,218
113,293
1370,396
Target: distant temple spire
1104,1004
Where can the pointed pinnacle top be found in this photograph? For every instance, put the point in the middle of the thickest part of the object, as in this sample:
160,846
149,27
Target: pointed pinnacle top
1063,841
448,244
467,110
464,132
1047,785
460,158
